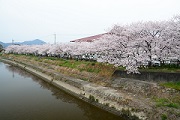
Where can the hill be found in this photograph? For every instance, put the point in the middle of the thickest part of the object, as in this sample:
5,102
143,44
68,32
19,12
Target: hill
32,42
3,44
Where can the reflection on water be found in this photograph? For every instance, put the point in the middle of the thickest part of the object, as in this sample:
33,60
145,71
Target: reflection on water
26,97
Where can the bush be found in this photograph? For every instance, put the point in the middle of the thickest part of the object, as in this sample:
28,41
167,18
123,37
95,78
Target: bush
163,117
91,98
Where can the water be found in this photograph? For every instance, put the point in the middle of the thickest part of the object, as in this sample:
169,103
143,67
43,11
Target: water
26,97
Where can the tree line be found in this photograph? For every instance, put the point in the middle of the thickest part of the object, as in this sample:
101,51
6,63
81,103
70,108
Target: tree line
130,46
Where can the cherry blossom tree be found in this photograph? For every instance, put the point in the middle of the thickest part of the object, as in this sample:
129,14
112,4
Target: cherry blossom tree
129,46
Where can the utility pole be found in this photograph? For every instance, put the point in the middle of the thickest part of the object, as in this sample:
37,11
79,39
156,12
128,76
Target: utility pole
12,42
54,38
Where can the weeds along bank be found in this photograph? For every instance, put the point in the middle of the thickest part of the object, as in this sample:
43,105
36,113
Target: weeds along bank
86,80
85,70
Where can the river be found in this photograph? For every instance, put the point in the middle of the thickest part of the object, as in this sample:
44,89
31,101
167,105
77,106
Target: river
27,97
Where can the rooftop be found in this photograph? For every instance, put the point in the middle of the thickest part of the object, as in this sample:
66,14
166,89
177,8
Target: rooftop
89,39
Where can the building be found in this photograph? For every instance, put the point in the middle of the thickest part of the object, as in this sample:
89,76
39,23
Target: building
89,39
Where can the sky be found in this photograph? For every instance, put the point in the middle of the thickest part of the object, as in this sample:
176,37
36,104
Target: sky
24,20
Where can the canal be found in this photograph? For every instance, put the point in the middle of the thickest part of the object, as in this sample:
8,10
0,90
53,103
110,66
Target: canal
26,97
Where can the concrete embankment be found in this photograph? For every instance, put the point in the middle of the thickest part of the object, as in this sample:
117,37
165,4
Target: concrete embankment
105,98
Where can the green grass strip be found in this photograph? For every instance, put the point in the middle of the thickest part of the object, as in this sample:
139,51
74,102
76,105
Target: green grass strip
174,85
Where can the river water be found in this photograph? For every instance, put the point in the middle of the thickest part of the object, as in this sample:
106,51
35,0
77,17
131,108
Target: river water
26,97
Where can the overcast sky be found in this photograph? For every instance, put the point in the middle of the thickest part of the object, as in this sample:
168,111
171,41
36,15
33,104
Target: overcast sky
24,20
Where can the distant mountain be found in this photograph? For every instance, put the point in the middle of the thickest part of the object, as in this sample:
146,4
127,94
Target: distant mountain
32,42
5,44
2,43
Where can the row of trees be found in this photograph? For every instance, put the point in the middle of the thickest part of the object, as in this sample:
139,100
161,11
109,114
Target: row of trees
130,45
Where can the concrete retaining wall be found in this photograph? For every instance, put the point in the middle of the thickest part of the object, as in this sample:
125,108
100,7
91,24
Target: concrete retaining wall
148,76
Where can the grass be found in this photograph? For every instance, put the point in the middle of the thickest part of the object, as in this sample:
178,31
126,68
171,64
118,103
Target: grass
102,69
89,66
167,103
174,85
81,65
164,68
92,98
163,117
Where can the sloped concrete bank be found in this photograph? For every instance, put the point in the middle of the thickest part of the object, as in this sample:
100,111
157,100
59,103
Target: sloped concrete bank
104,98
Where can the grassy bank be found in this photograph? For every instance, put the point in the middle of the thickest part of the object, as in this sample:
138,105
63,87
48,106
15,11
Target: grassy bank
89,66
86,70
103,70
165,68
167,103
92,66
174,85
